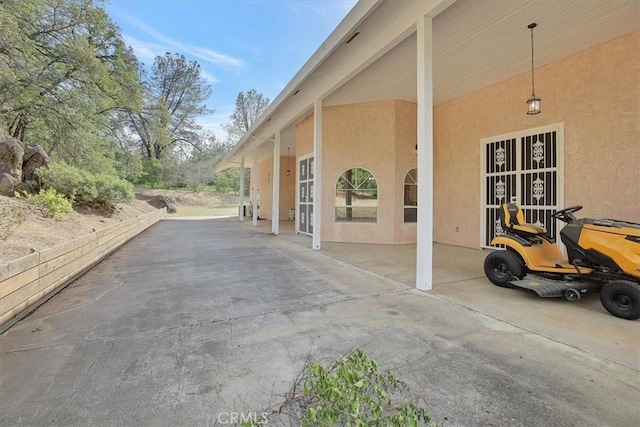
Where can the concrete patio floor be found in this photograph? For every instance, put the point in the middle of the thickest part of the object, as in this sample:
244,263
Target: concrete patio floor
458,277
197,318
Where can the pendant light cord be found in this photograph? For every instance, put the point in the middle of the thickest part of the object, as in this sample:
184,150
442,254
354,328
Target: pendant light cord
533,86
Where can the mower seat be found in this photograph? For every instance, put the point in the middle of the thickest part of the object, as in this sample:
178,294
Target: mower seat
512,219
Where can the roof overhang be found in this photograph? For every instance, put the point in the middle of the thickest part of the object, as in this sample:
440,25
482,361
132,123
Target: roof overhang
371,55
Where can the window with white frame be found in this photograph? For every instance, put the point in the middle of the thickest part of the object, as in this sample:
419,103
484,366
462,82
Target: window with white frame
356,196
411,196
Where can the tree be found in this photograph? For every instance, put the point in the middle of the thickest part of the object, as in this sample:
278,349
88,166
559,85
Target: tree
175,95
249,107
64,70
228,181
161,173
199,168
125,147
198,173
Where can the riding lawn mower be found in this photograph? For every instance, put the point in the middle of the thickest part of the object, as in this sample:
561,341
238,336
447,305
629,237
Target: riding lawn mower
603,256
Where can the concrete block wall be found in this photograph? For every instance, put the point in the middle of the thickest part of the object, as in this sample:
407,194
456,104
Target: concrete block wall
29,281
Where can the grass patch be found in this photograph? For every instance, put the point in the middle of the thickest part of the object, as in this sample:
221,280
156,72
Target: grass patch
206,210
212,189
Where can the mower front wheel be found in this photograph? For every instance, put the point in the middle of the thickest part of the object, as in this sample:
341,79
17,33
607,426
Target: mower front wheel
622,299
501,267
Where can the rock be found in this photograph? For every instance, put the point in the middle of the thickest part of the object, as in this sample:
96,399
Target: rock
8,184
159,201
11,157
34,157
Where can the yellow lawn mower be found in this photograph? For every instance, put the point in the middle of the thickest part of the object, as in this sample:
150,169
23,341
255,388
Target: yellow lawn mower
603,257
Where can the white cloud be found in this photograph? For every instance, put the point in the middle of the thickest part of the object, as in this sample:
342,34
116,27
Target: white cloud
212,56
208,76
203,53
214,123
145,51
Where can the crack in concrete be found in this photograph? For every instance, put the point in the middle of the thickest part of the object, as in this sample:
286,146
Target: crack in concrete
93,301
159,332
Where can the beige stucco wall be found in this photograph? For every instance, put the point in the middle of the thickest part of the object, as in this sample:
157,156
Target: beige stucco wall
379,137
287,187
406,159
265,189
304,137
595,93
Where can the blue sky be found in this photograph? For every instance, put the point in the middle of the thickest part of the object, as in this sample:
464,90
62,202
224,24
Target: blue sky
240,44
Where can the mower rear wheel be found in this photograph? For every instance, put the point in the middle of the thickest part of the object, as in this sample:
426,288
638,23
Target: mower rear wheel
621,298
501,267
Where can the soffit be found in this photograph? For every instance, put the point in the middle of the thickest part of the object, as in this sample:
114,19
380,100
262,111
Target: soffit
480,43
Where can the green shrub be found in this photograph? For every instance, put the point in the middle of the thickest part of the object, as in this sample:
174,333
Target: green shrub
85,189
129,166
228,181
112,190
74,183
52,204
159,173
351,392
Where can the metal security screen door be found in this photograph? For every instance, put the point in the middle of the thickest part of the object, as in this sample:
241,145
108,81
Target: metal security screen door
527,165
305,195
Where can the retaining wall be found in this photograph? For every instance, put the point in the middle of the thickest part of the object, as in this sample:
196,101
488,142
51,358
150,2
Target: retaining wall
29,281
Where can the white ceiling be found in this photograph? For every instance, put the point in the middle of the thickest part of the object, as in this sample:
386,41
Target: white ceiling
478,43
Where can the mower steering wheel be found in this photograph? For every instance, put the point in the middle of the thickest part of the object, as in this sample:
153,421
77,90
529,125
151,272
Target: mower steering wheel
566,214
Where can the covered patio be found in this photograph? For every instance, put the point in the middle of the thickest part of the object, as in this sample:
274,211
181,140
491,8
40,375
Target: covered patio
440,87
458,277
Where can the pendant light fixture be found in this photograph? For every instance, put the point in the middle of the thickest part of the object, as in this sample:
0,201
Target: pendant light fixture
533,103
288,171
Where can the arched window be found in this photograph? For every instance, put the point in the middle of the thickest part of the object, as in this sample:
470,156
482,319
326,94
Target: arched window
356,196
411,196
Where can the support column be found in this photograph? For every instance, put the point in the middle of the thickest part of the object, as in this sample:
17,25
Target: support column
241,213
317,174
275,210
254,195
424,251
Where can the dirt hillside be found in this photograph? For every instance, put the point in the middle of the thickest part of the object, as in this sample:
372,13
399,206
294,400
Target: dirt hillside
23,226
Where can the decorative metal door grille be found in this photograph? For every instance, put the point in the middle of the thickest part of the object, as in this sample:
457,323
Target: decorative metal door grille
305,195
527,165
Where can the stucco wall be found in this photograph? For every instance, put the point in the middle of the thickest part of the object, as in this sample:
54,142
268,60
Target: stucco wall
361,135
595,93
406,159
265,189
379,137
304,137
287,187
